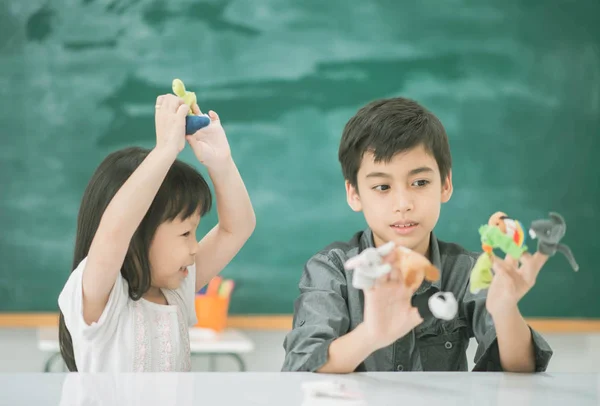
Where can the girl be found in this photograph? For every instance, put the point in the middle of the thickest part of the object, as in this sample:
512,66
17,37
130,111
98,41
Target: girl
128,303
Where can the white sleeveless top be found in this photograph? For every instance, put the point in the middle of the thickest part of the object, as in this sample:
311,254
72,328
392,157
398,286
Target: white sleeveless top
131,336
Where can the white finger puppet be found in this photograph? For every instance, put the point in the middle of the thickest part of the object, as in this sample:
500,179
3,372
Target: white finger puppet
443,305
331,393
368,265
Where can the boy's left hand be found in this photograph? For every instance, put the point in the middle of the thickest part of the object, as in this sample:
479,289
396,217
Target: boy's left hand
511,282
210,143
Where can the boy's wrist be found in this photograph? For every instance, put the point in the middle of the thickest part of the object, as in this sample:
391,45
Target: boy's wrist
366,339
505,312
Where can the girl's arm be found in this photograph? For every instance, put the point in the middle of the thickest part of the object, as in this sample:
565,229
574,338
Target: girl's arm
236,223
129,206
236,215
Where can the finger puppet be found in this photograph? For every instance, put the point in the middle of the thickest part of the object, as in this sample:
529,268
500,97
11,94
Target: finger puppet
500,232
414,267
549,232
508,235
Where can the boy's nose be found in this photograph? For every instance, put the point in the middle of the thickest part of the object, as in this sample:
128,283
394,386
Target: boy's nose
402,202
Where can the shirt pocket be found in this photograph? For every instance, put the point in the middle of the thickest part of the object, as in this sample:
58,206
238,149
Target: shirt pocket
443,345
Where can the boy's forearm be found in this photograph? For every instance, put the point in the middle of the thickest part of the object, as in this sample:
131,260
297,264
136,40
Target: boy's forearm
515,342
234,207
347,352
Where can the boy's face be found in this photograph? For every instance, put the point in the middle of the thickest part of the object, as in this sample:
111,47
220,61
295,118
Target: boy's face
400,199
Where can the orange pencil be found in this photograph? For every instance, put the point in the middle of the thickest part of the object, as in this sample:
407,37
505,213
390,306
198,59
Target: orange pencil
213,286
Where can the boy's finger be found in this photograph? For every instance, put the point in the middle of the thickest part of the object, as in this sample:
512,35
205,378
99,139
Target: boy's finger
540,259
390,258
382,280
501,266
532,264
536,260
395,275
498,263
510,261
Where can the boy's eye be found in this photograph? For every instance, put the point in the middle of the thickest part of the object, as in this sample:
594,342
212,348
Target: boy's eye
381,188
186,234
420,183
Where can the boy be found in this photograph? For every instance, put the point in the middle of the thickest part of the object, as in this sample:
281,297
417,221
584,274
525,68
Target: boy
396,162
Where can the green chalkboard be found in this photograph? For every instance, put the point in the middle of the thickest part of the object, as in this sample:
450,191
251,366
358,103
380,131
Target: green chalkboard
517,85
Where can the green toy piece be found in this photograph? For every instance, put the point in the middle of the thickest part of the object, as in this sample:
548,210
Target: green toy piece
193,122
503,233
481,275
493,237
188,97
509,235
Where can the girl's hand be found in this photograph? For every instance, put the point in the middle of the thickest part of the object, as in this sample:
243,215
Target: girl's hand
170,122
210,143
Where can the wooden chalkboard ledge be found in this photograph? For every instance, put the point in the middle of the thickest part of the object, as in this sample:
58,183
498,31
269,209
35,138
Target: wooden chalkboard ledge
284,322
260,322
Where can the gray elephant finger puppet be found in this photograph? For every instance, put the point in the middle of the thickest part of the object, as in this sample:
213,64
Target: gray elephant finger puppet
549,232
508,235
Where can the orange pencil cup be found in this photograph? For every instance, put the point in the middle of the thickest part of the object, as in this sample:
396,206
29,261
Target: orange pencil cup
211,311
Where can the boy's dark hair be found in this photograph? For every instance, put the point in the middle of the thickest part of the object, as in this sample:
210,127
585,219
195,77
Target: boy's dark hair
387,127
181,194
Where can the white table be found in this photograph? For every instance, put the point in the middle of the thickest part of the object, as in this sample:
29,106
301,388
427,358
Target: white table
229,343
255,388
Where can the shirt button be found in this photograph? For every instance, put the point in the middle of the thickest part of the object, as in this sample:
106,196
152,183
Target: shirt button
448,345
399,368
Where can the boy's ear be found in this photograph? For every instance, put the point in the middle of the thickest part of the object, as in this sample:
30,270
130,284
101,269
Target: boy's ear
353,197
447,188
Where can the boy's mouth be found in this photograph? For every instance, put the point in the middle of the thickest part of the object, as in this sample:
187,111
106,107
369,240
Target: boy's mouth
404,227
184,270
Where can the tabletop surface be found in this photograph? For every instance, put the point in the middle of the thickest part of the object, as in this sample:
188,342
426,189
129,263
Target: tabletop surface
278,388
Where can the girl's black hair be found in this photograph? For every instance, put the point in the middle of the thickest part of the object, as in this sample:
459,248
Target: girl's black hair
182,193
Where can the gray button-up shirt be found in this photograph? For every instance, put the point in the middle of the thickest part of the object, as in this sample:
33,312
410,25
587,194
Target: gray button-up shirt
330,307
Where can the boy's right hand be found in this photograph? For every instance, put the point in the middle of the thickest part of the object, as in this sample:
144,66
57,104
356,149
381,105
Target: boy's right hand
389,314
170,121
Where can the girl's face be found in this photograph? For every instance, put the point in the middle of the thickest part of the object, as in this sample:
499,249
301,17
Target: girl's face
172,250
